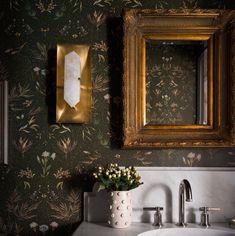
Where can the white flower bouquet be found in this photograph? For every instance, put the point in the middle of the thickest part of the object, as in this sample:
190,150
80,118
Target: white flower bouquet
115,178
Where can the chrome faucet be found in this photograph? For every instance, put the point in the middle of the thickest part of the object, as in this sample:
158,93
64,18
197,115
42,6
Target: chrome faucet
185,194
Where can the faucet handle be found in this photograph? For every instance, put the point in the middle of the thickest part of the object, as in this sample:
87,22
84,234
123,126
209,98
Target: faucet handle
206,209
157,216
205,215
153,208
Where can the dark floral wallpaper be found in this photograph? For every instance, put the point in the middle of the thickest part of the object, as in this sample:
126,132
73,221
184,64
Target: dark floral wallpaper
41,189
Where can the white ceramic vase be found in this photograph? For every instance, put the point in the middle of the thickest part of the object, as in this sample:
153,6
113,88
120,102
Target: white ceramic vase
120,209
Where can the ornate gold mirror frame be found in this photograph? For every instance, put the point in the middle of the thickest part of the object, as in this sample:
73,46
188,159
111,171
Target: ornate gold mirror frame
215,27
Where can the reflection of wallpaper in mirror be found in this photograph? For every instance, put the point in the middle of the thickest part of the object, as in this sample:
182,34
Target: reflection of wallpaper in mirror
171,81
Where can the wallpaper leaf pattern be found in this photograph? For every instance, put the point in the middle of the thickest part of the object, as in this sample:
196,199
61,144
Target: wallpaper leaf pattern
41,189
170,83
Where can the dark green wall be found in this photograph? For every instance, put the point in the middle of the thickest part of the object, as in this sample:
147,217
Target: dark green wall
48,161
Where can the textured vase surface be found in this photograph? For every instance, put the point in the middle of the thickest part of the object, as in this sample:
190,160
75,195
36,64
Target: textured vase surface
120,209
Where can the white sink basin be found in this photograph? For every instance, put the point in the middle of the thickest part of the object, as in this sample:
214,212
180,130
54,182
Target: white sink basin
187,232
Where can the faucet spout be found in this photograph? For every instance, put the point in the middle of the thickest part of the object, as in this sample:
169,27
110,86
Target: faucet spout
188,191
185,194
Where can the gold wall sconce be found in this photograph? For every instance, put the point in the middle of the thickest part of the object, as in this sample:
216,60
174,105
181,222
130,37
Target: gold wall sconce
73,87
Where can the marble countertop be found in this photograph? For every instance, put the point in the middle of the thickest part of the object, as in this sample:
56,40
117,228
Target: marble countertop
102,229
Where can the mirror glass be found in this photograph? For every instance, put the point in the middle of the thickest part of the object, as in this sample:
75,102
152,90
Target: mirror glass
176,82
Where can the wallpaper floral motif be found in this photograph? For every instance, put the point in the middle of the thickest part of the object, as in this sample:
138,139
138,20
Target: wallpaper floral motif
41,189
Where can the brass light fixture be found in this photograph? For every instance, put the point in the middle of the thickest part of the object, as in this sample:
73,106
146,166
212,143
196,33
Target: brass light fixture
73,91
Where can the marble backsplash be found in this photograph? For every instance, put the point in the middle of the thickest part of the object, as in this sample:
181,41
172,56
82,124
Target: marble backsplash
212,187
